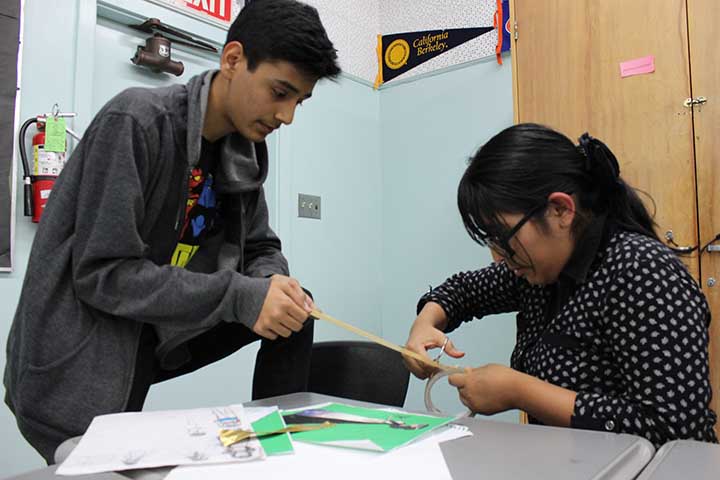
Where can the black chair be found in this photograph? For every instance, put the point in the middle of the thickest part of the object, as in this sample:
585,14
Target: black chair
360,371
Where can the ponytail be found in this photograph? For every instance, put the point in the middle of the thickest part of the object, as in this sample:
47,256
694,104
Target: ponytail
622,204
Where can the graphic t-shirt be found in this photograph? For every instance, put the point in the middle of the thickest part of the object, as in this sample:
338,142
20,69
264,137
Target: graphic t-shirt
201,208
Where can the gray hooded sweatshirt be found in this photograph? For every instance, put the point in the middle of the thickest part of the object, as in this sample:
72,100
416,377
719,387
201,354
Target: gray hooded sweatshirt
99,268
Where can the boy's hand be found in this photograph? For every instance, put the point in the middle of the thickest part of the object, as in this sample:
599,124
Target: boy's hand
285,310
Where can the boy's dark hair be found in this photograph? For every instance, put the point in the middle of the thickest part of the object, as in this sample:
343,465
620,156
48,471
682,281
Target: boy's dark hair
285,30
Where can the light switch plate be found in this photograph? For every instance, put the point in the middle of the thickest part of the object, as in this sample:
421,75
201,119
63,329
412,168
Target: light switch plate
308,206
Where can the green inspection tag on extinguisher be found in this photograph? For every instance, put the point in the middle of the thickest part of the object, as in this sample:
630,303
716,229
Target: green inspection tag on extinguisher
55,134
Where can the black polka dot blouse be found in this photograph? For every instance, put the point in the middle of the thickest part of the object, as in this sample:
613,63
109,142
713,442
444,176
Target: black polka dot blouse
625,327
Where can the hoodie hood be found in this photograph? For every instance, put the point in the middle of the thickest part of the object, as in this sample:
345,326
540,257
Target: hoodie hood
243,164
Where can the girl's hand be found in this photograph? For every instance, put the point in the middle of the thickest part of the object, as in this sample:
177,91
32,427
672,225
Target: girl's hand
489,389
425,335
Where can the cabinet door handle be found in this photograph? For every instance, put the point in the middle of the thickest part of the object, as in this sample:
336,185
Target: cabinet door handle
689,102
670,238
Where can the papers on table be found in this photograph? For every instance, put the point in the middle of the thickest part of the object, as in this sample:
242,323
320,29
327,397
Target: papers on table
154,439
189,438
420,459
365,428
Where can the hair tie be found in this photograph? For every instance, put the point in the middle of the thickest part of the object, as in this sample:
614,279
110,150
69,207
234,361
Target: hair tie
584,149
599,160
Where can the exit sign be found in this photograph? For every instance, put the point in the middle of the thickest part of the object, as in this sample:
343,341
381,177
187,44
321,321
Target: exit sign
219,9
218,12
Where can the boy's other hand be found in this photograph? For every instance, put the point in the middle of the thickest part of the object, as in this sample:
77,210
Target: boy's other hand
285,310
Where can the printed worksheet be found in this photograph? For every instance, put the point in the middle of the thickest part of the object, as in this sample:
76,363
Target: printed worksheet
134,440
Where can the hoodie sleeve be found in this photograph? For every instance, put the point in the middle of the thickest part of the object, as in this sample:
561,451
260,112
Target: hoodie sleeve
263,256
119,168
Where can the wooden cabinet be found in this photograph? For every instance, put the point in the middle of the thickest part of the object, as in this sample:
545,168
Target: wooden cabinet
704,36
566,74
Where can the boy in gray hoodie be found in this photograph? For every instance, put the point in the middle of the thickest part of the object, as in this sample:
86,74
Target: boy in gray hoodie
154,257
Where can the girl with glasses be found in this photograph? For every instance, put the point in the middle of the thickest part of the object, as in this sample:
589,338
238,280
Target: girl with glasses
612,330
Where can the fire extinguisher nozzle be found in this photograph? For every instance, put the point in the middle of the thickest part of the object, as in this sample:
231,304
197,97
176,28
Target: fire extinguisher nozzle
27,192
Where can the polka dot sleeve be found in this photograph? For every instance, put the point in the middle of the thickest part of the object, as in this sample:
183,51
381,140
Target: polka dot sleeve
474,294
655,322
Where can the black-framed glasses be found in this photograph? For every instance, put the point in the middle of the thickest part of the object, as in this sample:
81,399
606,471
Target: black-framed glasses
501,243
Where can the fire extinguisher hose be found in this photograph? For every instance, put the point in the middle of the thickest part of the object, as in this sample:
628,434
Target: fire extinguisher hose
27,187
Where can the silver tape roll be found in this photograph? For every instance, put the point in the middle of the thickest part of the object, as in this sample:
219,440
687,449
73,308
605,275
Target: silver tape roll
429,405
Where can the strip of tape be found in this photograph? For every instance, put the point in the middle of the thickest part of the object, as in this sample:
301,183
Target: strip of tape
381,341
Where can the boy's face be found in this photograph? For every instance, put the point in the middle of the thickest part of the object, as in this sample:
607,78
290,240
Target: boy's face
260,101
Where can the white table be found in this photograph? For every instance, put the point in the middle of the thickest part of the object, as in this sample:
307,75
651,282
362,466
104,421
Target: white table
684,459
497,450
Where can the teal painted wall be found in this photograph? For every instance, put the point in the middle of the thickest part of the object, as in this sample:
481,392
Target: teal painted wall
332,143
429,128
385,163
333,151
48,78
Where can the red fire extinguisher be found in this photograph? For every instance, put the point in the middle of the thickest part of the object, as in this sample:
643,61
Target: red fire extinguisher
39,178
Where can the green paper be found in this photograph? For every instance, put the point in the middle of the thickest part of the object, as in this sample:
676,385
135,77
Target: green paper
55,134
384,436
277,444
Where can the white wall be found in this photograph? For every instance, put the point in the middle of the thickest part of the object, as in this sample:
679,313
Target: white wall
354,26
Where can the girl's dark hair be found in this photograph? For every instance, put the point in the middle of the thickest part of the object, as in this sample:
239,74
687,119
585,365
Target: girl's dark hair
285,30
521,166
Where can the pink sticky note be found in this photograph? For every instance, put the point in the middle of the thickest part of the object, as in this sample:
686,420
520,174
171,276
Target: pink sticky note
637,66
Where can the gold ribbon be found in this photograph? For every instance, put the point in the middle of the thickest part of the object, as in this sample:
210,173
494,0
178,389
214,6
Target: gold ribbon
229,437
